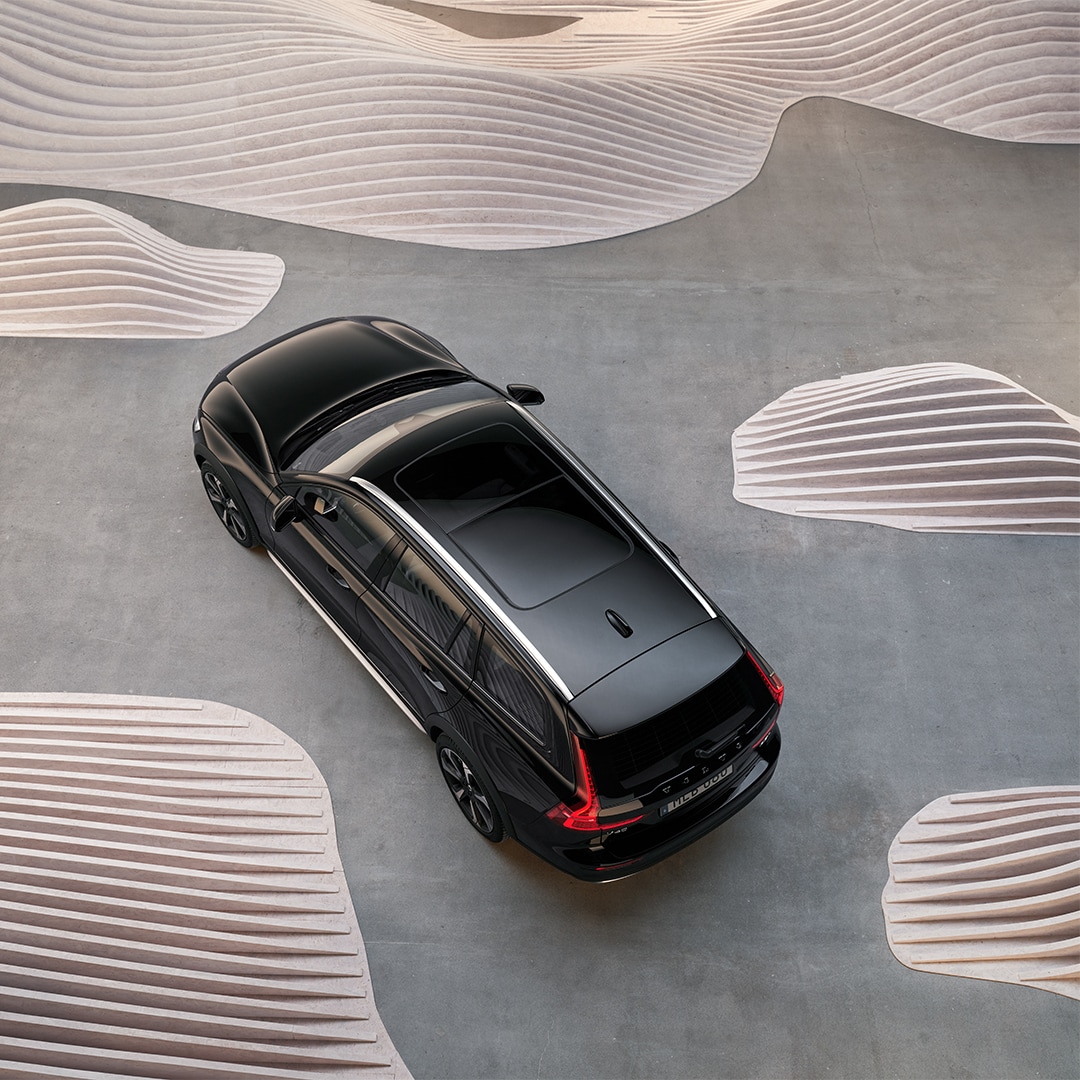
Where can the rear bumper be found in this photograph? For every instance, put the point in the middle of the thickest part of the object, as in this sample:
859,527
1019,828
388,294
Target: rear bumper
622,853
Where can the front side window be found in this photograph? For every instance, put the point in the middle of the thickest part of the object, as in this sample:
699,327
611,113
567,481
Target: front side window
356,528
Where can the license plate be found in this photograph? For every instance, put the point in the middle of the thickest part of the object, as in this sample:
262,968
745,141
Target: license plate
693,793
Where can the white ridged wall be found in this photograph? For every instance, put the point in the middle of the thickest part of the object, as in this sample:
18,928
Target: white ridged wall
930,447
372,119
73,268
172,903
987,885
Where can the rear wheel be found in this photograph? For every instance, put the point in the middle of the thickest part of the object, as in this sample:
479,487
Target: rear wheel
230,510
472,794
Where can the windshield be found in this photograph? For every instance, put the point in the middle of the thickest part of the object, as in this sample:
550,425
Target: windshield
342,450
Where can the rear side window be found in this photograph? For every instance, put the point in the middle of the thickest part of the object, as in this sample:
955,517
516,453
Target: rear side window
501,676
430,604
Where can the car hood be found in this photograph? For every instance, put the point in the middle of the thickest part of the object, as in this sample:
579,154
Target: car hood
293,381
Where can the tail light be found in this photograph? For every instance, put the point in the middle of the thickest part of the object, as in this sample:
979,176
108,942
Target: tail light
586,816
764,669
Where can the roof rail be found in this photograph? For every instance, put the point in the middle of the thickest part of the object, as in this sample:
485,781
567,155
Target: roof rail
468,582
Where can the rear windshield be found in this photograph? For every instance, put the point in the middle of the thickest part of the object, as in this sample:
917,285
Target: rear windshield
634,759
510,507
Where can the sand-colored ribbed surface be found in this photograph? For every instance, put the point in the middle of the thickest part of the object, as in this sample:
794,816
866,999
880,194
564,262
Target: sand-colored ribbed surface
932,447
172,903
987,885
497,123
73,268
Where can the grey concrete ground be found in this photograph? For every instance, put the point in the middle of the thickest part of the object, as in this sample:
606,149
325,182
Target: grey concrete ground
916,665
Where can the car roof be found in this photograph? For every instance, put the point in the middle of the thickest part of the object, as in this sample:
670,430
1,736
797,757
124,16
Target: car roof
562,567
303,376
560,561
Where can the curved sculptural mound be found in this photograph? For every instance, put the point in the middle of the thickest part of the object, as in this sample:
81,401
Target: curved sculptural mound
433,123
173,901
930,447
73,268
987,885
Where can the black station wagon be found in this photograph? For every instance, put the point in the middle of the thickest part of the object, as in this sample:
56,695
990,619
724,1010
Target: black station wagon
583,694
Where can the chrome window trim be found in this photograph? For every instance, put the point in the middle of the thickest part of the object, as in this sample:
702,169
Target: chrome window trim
626,518
372,670
481,595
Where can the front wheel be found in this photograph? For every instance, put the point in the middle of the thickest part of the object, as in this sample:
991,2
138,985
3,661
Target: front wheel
230,510
472,794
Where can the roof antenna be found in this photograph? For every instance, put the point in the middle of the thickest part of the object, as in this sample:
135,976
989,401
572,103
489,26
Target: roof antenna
619,623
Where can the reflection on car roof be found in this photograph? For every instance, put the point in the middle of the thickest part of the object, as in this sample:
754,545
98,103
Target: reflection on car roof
506,506
512,510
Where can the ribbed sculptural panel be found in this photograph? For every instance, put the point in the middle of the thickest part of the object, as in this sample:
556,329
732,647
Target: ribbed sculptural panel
928,447
986,884
74,268
498,123
173,900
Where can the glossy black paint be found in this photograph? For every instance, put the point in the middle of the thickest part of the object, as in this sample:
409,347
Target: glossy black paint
296,379
668,672
598,704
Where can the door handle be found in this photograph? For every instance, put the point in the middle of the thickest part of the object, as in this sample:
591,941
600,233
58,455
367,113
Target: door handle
338,577
434,680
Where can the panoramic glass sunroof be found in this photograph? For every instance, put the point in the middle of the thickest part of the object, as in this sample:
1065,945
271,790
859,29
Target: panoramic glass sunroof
532,531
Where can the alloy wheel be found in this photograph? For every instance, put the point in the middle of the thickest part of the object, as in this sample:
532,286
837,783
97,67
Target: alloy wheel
226,508
468,791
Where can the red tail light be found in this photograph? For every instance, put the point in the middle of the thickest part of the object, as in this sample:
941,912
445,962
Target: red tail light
586,817
772,680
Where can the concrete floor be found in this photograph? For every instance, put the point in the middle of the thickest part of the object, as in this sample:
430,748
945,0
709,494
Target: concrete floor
916,665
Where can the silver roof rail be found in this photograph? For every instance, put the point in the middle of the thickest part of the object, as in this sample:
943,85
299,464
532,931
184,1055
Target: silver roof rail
469,582
626,517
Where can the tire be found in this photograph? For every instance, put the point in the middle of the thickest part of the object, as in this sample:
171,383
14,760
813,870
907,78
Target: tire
472,793
229,507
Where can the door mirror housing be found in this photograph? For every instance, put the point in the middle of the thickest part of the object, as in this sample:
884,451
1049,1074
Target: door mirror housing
285,513
524,394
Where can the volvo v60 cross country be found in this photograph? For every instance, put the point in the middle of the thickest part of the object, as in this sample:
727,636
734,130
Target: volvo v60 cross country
582,693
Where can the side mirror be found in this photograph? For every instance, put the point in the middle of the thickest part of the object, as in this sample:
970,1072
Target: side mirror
325,508
285,513
524,394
